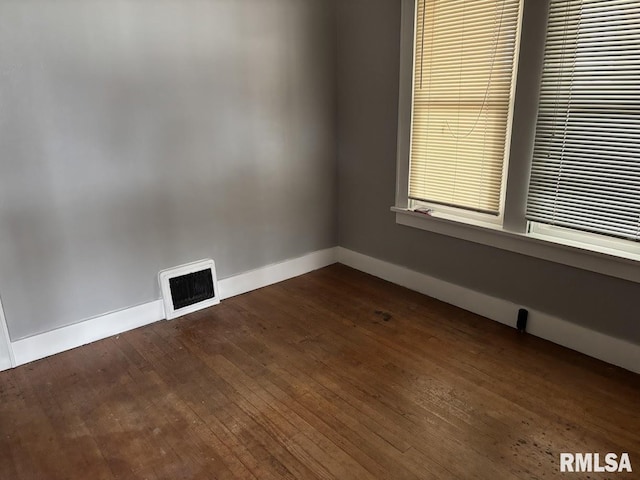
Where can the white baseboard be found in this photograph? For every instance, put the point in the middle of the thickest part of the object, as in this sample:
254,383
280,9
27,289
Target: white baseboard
55,341
595,344
278,272
49,343
6,352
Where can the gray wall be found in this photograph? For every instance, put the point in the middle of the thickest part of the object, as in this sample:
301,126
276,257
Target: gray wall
367,62
137,135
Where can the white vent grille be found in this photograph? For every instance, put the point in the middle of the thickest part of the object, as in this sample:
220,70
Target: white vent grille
189,288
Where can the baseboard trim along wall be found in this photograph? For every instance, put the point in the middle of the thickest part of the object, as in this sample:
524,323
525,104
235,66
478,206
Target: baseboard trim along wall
590,342
6,353
278,272
65,338
595,344
49,343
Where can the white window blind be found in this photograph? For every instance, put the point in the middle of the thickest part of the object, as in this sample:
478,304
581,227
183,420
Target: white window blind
462,95
586,163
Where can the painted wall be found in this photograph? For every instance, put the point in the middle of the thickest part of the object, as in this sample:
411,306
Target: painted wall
368,62
137,135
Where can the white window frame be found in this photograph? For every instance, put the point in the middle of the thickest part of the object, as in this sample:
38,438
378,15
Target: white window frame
511,231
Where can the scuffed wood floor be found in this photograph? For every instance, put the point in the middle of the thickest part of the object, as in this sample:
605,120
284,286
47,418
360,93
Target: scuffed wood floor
332,375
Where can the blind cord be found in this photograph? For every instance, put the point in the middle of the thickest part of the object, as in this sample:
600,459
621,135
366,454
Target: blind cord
493,59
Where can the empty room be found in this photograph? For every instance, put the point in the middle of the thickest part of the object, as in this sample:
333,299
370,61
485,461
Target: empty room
319,239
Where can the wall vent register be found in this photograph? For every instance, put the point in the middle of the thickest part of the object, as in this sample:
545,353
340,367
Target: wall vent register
188,288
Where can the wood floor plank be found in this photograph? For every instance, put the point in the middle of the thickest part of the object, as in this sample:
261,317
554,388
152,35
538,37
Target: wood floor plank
331,375
506,373
370,432
379,403
200,383
18,458
179,398
534,378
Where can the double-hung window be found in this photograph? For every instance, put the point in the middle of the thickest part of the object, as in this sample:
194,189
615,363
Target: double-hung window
564,77
463,84
585,174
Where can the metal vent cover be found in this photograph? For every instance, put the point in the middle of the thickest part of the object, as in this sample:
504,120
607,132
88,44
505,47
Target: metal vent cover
189,288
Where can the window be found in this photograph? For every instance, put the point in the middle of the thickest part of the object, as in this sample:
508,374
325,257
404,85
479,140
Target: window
534,146
586,163
462,98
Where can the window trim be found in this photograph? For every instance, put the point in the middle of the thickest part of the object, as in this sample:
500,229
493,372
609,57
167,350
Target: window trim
566,252
513,234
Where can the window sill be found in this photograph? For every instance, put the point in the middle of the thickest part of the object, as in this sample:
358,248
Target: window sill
596,259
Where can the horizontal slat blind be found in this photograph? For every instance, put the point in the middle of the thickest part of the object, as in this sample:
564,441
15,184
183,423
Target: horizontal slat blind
586,162
462,92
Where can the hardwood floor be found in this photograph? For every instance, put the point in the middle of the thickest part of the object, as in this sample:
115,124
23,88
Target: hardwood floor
332,375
